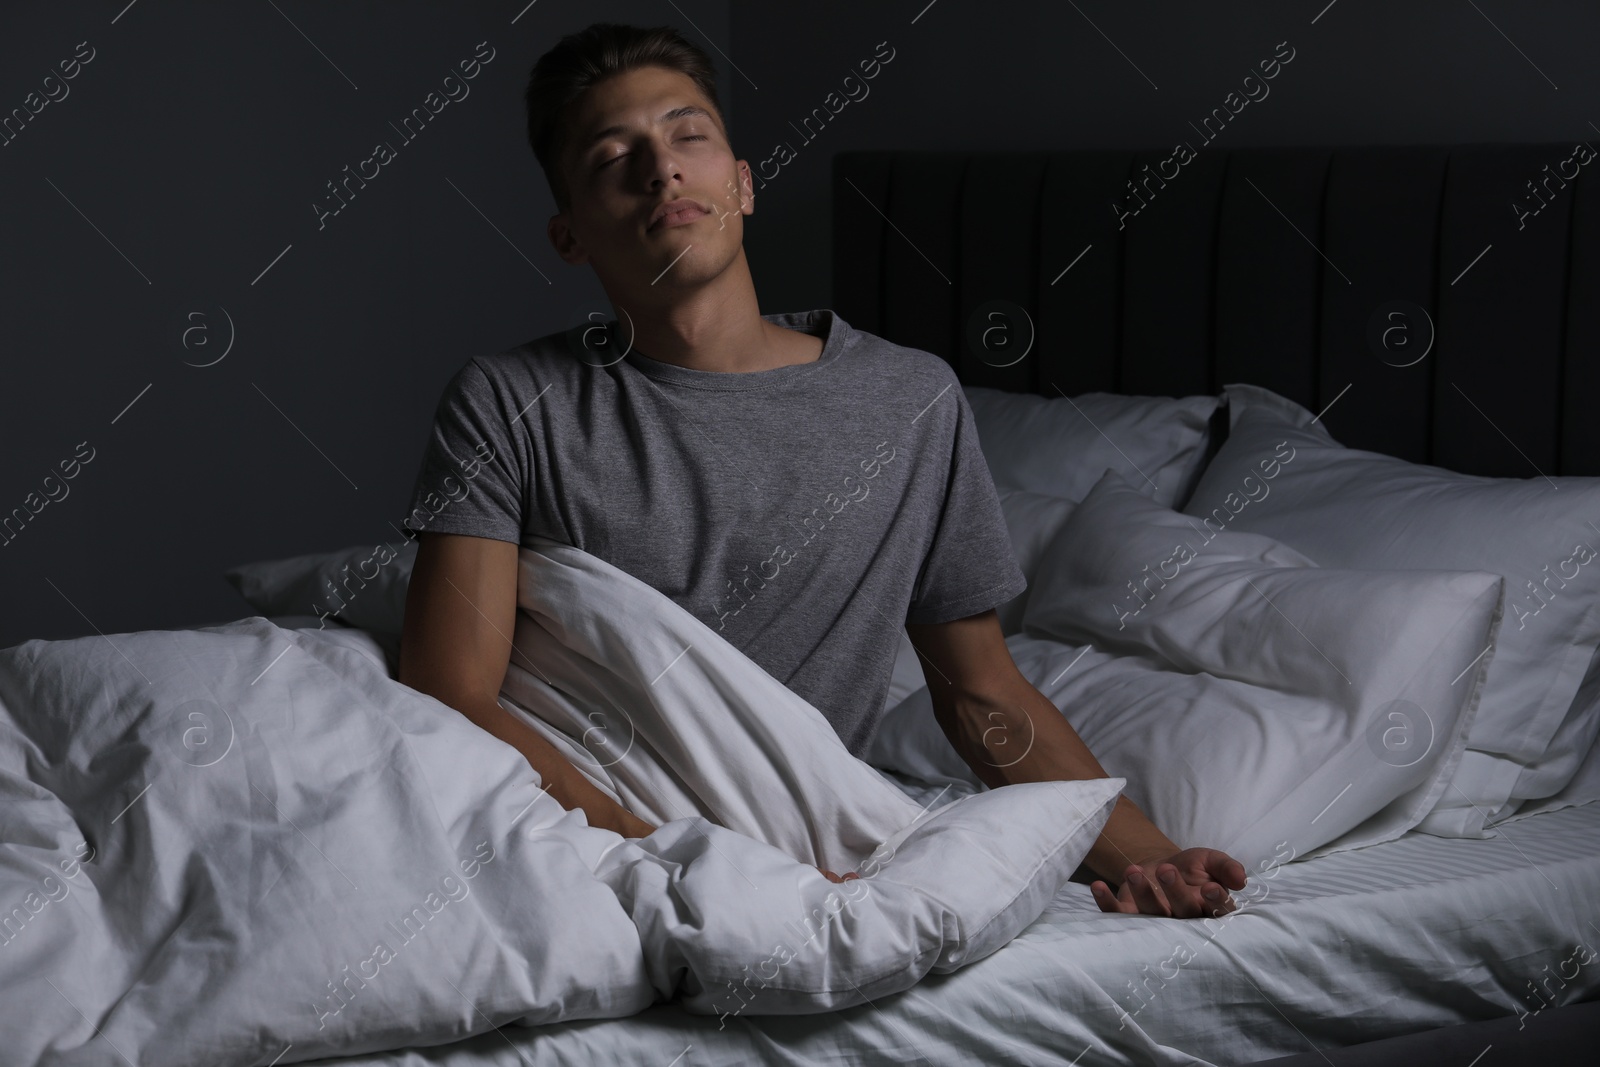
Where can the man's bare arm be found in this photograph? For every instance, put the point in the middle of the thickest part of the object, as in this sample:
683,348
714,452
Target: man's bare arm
994,719
456,644
1007,732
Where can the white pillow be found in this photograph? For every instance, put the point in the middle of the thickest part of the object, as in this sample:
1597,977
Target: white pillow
947,891
1348,508
1059,445
362,586
1584,788
1557,774
1255,702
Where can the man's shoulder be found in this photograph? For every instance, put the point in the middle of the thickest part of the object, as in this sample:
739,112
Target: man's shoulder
550,353
520,370
901,360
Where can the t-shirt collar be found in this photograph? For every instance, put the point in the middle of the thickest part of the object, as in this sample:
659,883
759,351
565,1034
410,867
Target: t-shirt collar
821,322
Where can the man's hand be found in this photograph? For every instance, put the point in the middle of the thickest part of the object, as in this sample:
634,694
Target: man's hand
618,819
1008,732
1190,884
836,878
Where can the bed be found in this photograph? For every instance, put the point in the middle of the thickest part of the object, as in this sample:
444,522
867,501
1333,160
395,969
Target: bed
1301,284
1355,949
1267,266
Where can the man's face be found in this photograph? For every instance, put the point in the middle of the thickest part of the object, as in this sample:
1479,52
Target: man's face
641,139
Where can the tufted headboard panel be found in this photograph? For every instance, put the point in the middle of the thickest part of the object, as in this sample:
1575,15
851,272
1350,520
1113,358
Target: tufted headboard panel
1444,300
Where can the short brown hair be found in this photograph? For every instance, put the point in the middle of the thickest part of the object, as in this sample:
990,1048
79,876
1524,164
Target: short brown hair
581,60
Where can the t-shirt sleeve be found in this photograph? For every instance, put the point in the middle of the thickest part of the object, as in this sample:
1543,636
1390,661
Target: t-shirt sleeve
472,479
970,566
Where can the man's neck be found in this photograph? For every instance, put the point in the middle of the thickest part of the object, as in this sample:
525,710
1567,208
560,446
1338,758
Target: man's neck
718,328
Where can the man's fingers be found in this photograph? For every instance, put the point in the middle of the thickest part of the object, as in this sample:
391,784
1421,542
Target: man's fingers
1139,896
1185,899
1198,888
1210,900
1107,900
1197,905
1169,876
1219,902
1223,868
1189,900
1145,895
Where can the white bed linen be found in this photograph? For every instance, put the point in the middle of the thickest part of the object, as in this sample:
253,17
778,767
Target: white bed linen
246,844
1346,507
691,728
1355,946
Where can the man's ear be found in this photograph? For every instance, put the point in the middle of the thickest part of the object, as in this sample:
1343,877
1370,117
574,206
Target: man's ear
565,241
740,192
747,191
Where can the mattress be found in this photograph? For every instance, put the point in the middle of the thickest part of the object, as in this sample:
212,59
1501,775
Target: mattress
1350,947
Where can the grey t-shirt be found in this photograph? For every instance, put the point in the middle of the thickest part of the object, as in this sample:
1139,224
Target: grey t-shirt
804,513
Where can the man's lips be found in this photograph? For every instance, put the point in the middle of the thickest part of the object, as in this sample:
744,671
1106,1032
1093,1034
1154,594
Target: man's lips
677,213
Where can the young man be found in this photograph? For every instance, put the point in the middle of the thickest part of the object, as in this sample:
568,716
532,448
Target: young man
801,487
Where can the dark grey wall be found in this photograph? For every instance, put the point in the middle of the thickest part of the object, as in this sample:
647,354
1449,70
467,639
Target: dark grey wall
185,159
1103,74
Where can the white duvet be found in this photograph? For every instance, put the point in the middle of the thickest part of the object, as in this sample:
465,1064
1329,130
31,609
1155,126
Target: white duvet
249,845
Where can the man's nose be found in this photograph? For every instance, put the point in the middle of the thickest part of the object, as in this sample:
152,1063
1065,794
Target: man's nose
662,164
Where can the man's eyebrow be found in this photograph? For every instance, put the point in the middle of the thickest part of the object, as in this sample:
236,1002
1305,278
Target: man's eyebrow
670,116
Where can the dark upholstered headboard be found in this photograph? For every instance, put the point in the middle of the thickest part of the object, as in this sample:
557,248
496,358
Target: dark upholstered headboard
1304,270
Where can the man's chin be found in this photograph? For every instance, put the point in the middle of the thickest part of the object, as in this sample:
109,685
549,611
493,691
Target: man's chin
678,265
689,265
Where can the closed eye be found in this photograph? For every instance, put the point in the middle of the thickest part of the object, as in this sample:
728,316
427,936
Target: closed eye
613,159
